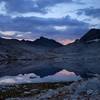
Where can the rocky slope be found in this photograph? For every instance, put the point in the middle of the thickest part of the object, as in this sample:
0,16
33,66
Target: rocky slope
83,57
27,56
78,90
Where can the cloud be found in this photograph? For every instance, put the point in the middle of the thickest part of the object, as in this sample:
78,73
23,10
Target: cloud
38,6
8,33
25,24
14,25
91,12
38,26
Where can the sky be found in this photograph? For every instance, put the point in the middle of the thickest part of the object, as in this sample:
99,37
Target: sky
62,20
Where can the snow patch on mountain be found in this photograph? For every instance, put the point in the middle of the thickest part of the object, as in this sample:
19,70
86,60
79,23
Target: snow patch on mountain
95,40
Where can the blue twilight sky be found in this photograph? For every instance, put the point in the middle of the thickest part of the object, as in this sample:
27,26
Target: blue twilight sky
62,20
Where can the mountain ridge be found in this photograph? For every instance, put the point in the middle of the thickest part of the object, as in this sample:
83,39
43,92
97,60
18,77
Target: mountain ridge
42,41
91,35
79,57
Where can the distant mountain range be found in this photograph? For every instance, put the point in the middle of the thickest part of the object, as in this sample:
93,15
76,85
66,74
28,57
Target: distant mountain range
42,41
46,56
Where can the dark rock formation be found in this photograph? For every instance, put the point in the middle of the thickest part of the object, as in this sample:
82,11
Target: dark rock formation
42,41
91,35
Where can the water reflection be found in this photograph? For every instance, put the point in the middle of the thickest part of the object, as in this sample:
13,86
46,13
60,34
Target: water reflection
41,68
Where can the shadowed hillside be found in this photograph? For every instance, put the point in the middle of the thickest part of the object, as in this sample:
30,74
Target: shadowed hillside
81,57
